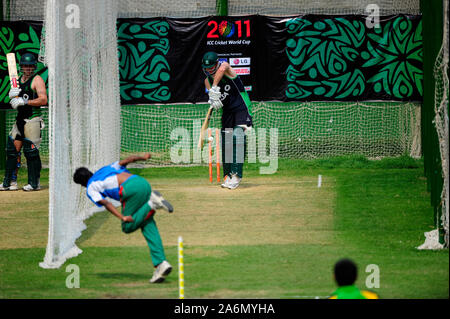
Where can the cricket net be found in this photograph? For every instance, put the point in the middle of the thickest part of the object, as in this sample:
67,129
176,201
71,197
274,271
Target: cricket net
290,7
88,127
84,112
305,130
441,108
35,9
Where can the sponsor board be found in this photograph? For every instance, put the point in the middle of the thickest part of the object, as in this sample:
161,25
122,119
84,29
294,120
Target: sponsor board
242,71
239,61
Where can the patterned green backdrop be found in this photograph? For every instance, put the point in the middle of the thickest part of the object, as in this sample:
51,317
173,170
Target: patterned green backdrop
144,70
341,58
305,58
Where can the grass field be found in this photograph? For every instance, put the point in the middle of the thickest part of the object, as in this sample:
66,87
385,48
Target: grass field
276,236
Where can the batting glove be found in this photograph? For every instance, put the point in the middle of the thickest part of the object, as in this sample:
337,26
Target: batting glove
14,92
16,102
216,105
214,93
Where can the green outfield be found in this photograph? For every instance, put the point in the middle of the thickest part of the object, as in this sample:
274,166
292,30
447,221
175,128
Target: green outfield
276,236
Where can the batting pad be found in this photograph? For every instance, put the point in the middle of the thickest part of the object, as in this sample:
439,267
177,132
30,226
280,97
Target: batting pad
32,130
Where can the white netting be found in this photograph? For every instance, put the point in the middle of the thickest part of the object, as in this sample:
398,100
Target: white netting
441,106
305,130
23,9
431,241
161,8
322,129
331,7
34,9
84,112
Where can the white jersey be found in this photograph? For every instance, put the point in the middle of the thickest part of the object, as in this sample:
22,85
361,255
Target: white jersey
104,183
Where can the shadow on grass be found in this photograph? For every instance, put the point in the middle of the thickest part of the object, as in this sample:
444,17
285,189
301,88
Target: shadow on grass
124,276
134,280
93,225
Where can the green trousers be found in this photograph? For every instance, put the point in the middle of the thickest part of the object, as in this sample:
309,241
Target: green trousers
135,193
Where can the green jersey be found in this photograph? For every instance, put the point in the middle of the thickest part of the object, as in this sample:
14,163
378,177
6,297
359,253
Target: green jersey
352,292
27,93
234,96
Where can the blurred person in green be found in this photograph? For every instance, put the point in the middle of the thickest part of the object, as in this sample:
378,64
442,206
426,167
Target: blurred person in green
345,274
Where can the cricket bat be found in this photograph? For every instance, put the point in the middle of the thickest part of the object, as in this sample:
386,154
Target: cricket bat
204,127
12,69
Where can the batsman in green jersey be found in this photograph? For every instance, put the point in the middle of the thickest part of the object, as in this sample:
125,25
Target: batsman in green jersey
26,132
227,92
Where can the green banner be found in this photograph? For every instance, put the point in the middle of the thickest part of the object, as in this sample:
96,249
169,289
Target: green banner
144,70
296,58
341,58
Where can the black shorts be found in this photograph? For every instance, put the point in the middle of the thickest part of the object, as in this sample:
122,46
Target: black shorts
239,117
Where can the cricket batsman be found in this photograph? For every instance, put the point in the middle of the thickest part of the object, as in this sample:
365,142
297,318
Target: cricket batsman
227,92
26,131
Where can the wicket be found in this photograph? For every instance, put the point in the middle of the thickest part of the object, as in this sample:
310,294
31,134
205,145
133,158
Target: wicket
180,267
210,139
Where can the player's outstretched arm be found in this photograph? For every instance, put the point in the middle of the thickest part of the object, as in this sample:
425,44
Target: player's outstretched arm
134,158
110,207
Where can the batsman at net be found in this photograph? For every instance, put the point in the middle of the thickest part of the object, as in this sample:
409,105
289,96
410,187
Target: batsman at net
26,131
227,92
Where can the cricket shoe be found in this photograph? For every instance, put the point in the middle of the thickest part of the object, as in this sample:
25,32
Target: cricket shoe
11,187
234,181
161,272
29,188
157,201
226,181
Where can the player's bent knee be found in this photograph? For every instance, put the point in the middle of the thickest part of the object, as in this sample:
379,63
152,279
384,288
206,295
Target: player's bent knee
125,228
128,227
11,151
34,164
30,150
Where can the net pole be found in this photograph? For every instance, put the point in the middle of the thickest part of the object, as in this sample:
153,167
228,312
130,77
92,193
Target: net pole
180,268
222,7
441,108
